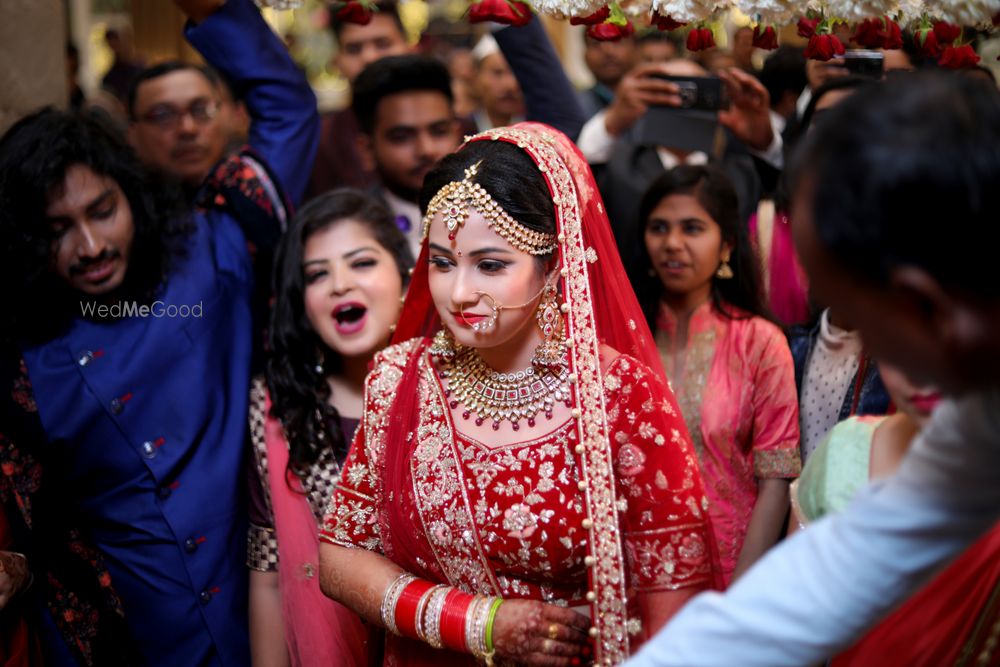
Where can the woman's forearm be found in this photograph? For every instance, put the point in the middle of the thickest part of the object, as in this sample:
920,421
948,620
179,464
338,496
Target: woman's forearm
356,578
658,608
766,522
267,624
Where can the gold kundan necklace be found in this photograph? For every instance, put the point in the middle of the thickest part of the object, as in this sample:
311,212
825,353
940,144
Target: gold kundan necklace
503,396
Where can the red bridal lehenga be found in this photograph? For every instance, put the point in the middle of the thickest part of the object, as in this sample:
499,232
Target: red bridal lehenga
603,509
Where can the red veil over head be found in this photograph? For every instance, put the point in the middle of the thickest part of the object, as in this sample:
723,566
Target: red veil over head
603,310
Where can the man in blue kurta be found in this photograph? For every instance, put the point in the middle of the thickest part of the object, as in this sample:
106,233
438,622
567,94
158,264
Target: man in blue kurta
142,394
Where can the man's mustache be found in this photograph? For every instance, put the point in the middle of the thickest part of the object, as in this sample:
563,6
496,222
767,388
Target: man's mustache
84,264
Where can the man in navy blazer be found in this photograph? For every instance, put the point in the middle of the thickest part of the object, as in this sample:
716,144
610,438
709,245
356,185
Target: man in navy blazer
135,375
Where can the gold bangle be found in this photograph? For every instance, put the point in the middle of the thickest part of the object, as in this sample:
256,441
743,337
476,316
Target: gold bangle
421,606
391,598
432,620
471,617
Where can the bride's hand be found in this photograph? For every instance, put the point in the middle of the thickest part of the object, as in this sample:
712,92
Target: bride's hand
537,633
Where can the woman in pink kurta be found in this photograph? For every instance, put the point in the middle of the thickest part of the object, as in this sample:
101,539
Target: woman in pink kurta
729,366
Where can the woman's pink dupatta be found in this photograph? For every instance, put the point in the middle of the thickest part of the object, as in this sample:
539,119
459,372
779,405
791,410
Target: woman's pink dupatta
318,631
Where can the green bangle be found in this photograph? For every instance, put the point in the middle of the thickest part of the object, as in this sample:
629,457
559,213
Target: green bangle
489,623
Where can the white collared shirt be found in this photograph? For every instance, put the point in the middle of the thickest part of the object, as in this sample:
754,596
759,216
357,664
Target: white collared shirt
816,593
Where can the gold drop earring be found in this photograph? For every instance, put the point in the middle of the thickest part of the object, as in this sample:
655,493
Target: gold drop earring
724,272
552,350
443,346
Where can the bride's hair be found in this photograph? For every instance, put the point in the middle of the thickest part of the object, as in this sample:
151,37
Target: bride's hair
510,176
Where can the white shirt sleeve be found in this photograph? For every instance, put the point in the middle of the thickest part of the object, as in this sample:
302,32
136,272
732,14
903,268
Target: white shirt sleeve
595,142
816,593
774,154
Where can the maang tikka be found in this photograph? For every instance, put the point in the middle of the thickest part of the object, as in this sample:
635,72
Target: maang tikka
458,199
551,352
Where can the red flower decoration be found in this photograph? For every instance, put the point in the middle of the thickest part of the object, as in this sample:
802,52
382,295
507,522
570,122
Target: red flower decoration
947,33
892,36
508,12
824,47
867,34
879,33
665,23
959,57
353,12
700,39
927,43
807,27
597,17
767,40
610,32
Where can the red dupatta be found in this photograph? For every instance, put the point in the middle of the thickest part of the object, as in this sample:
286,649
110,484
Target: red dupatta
602,310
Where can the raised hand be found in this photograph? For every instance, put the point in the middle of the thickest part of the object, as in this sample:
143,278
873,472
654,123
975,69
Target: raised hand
540,634
199,10
13,575
749,115
636,92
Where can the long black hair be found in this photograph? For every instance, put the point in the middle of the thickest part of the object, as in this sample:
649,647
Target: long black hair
713,190
508,173
299,392
34,156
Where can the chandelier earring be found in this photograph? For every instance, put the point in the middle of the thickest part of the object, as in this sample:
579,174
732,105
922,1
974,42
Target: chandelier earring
551,352
443,346
724,272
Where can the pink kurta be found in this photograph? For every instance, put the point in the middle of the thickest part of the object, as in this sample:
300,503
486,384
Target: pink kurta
737,393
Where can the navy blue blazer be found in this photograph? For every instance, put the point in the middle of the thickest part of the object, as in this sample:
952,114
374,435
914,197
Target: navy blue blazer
147,415
549,97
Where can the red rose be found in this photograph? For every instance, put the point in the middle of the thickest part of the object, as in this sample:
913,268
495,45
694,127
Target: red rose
880,33
824,47
597,17
508,12
609,32
700,39
892,36
767,40
946,33
927,43
354,12
867,34
665,23
807,27
959,57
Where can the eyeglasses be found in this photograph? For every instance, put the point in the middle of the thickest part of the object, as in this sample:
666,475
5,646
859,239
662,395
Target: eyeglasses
167,117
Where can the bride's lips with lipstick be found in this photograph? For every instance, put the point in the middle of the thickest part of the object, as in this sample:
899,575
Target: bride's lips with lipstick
925,402
467,319
349,317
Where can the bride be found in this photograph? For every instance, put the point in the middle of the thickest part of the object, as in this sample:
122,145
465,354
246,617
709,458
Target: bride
522,487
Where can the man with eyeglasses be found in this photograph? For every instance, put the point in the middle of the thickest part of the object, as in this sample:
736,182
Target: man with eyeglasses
182,119
126,348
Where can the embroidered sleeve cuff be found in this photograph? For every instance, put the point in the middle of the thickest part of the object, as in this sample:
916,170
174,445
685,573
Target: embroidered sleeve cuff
784,462
669,559
262,549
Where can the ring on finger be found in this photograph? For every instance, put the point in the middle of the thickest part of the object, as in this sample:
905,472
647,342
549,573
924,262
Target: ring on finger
553,630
